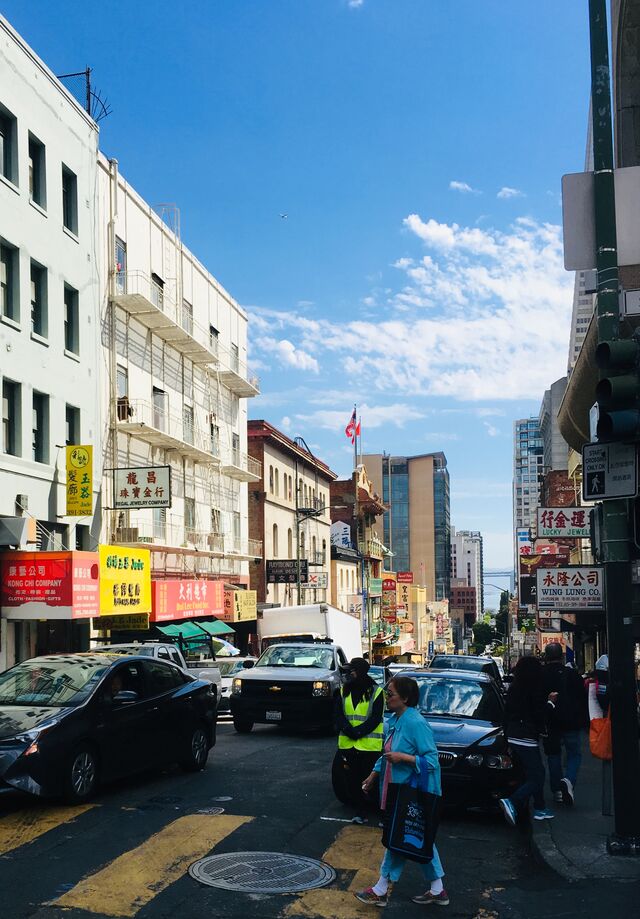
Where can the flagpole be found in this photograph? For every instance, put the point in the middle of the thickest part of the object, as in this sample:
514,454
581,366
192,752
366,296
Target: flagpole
355,438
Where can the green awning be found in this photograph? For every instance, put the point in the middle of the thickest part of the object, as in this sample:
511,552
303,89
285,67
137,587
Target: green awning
185,631
216,628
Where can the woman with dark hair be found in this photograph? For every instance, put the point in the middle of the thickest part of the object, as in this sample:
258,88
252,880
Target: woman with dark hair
526,712
409,749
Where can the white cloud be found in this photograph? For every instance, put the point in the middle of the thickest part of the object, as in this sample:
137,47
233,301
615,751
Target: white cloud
506,192
492,430
354,4
463,187
288,353
373,416
488,412
285,423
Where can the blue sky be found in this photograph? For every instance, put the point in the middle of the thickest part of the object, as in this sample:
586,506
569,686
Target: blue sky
417,147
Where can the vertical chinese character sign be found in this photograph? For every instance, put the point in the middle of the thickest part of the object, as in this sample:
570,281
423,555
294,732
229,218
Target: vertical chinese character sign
79,481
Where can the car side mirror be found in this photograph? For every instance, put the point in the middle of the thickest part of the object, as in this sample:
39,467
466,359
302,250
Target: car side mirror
125,697
247,665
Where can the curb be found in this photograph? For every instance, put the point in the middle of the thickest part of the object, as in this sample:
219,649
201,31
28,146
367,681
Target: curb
546,851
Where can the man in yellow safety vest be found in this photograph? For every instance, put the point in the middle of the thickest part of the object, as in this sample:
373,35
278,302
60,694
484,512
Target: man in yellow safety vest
361,734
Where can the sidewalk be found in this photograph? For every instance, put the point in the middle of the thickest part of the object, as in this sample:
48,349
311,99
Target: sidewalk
574,843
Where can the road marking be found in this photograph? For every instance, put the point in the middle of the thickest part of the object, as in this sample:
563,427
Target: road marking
354,848
130,881
23,827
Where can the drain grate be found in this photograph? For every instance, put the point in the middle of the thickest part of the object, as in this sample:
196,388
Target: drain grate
211,811
262,872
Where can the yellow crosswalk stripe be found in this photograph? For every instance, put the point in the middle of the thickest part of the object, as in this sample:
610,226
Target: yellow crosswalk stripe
354,847
126,884
23,827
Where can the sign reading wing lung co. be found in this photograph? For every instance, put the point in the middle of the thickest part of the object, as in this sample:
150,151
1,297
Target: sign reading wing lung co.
609,471
142,486
575,587
285,571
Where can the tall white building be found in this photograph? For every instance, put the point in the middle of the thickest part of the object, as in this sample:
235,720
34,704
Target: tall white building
555,449
467,563
528,464
583,301
49,322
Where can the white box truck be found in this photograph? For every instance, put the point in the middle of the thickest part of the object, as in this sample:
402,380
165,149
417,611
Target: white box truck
316,622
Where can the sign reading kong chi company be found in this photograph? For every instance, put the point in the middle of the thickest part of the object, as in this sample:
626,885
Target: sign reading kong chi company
51,584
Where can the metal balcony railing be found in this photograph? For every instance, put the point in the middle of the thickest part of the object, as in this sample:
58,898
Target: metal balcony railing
243,548
155,425
241,466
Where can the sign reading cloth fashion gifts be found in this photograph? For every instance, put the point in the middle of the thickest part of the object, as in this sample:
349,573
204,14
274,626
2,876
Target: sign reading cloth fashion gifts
240,605
186,599
125,580
50,584
79,461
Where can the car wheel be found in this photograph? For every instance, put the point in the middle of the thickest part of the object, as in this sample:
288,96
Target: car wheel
198,753
81,775
242,727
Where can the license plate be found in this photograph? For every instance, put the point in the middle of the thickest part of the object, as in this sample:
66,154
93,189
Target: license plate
274,716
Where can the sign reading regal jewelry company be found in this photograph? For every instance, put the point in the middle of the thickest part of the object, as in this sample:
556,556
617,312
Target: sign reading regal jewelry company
571,522
572,588
79,461
142,486
125,580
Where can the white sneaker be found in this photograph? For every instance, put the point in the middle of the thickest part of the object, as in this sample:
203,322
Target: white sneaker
566,786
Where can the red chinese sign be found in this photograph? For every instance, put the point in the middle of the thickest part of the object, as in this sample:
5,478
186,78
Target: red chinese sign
530,563
389,599
405,577
186,599
65,580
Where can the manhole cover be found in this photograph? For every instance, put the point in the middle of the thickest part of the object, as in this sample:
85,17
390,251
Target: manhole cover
262,872
211,811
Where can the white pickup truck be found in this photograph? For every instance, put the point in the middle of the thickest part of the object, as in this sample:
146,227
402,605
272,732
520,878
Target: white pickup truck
166,651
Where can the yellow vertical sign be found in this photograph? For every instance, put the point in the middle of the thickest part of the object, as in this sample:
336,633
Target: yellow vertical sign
79,481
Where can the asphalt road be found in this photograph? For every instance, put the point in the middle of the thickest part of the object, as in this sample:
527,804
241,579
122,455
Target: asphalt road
128,852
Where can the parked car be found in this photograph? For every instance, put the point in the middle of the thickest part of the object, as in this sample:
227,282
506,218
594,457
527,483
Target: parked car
202,666
470,662
291,684
228,669
378,674
465,712
69,722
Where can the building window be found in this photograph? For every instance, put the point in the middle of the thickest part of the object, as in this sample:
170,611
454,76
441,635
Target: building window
213,338
289,543
235,522
38,299
277,482
9,287
235,358
72,422
216,526
121,266
71,320
187,423
157,291
8,145
40,428
159,398
275,541
324,551
189,518
290,488
37,172
70,200
235,453
187,317
160,523
270,480
11,417
214,432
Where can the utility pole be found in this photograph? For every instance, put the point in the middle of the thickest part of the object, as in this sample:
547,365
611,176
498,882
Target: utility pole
616,538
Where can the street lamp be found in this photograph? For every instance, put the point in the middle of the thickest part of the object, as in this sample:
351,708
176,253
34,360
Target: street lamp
507,636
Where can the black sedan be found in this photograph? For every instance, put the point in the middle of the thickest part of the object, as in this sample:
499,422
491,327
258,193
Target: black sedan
68,722
465,712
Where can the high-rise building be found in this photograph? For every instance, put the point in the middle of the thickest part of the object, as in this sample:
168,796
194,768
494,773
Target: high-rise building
417,527
555,449
467,568
528,461
583,301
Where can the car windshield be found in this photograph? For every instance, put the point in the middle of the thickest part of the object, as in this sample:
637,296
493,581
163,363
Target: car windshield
227,668
47,682
458,662
460,699
292,656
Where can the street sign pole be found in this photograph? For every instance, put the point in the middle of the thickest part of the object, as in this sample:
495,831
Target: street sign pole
616,519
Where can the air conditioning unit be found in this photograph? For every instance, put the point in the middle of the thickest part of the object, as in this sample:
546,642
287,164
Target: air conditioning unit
145,539
127,534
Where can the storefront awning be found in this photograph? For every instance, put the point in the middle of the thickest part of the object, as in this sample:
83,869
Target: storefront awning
191,630
216,628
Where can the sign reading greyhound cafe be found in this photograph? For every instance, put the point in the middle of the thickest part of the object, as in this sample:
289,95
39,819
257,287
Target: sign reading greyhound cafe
125,580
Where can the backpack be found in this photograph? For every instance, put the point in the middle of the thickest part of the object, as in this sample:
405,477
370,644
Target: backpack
571,705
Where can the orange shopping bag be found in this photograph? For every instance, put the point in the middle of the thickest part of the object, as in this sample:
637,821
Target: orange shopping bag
600,736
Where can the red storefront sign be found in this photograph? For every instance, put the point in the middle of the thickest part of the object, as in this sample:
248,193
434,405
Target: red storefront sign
66,581
186,599
405,577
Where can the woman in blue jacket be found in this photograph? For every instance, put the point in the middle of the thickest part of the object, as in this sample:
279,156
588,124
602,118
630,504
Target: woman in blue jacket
409,749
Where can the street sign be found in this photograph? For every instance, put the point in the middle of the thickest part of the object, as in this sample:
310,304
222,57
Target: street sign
285,571
142,486
317,581
609,471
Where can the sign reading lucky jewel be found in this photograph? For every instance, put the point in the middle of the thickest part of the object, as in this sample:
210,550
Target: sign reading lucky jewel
41,581
186,599
125,580
571,522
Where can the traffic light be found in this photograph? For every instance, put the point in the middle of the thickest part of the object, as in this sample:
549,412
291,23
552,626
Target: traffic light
618,395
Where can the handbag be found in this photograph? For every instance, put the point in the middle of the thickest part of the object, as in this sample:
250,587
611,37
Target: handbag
600,737
411,820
